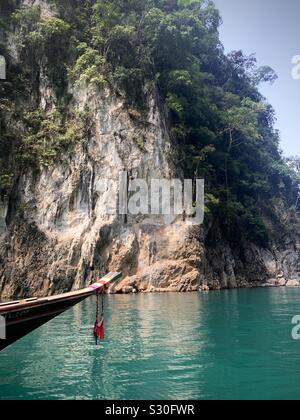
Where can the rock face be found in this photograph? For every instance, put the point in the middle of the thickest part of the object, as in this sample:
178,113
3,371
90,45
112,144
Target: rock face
249,265
54,235
54,232
175,267
58,231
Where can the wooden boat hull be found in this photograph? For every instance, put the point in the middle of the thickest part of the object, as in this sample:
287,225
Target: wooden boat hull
23,317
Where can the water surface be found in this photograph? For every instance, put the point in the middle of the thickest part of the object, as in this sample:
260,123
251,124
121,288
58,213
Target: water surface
222,345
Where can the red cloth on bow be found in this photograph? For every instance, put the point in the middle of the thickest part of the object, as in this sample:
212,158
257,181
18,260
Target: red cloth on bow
99,329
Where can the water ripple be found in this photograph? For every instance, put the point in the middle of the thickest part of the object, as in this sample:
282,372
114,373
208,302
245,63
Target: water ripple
224,345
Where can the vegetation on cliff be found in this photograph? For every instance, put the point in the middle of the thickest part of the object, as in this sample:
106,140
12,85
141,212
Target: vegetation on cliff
219,121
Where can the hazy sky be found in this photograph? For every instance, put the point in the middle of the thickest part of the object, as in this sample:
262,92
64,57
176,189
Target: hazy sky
271,29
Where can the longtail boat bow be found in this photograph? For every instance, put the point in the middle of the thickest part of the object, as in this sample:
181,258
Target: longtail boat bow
24,316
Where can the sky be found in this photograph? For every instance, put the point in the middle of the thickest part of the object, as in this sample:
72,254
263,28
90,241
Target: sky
271,29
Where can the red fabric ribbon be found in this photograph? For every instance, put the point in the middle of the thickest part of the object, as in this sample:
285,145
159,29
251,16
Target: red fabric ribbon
99,325
99,330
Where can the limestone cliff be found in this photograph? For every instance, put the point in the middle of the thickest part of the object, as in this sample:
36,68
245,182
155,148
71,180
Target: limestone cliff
60,239
54,236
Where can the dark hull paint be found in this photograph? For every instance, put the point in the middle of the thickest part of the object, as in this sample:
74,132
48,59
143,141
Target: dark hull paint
34,318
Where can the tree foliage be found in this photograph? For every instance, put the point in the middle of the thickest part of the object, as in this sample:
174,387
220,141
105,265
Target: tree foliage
219,121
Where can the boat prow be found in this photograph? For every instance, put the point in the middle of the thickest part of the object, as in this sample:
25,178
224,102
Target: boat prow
24,316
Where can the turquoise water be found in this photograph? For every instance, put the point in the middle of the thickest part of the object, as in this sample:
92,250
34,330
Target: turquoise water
221,345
